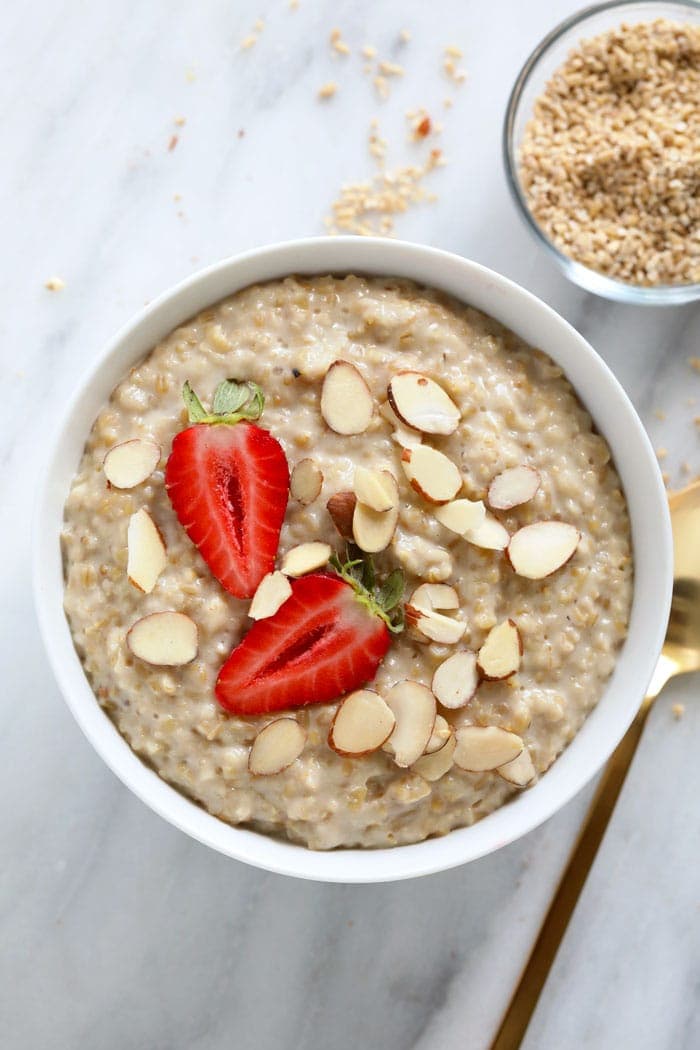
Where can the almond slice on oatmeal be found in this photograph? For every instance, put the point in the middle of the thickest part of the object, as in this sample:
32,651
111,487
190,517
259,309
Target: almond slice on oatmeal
377,489
513,487
456,680
413,707
435,596
362,724
341,508
306,482
434,767
276,747
166,639
461,515
490,535
421,403
146,557
483,748
346,402
373,531
520,771
442,730
433,626
431,474
402,435
131,463
273,591
538,550
305,558
499,656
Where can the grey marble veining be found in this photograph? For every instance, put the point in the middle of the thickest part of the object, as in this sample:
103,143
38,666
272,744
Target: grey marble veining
115,930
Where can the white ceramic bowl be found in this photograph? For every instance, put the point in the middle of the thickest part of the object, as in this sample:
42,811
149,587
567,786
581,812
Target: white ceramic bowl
615,418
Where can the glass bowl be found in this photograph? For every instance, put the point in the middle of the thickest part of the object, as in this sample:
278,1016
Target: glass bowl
547,57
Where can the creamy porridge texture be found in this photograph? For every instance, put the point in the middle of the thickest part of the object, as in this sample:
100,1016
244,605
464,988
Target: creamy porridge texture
516,410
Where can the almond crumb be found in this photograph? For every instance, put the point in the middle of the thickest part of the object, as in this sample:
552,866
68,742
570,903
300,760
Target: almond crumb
328,90
173,143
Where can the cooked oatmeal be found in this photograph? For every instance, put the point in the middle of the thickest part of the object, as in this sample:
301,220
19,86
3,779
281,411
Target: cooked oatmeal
516,409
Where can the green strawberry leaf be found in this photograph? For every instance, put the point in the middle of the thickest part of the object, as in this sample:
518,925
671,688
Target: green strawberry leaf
229,396
391,591
195,409
382,601
233,401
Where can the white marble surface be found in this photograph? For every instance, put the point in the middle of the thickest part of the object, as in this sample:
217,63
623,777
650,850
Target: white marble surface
115,930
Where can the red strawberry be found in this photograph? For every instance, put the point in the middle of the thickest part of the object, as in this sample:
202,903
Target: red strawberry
327,639
228,482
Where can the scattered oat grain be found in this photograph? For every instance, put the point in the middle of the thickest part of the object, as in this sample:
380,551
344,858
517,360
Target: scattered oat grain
55,284
661,453
248,41
390,69
694,362
405,36
327,90
678,711
338,44
660,414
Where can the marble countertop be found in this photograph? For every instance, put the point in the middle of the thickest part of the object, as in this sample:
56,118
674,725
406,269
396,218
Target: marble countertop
117,930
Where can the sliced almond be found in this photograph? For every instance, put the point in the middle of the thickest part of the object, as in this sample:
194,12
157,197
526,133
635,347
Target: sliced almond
305,482
431,474
146,557
434,626
482,748
377,489
519,771
499,656
490,535
168,639
273,591
402,435
341,508
275,747
130,463
413,707
346,403
442,730
421,403
456,680
433,767
362,723
305,558
513,487
538,550
440,596
460,515
372,531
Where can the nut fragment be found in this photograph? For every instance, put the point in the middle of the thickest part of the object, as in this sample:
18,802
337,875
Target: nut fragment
433,767
362,723
538,550
490,535
421,403
442,730
305,558
482,748
413,706
513,487
130,463
275,747
429,596
519,771
167,639
373,531
305,482
146,557
341,508
434,626
499,656
377,489
402,435
431,474
273,591
346,403
456,679
460,515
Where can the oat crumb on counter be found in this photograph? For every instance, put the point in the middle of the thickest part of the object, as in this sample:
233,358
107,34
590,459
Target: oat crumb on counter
404,36
661,453
694,363
248,41
55,284
327,90
338,44
678,711
660,414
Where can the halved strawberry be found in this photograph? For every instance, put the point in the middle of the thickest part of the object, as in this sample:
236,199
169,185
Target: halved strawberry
327,639
228,482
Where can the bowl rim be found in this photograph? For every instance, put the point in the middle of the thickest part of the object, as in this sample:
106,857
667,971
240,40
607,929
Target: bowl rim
613,414
581,275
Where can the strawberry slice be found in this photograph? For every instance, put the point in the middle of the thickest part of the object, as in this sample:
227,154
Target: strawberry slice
228,482
327,639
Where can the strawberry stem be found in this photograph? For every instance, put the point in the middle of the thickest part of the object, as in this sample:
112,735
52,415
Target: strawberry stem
381,600
232,402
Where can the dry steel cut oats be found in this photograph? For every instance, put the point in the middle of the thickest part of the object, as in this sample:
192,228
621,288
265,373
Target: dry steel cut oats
515,410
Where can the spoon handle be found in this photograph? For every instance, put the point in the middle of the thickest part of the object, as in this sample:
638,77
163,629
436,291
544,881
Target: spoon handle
522,1006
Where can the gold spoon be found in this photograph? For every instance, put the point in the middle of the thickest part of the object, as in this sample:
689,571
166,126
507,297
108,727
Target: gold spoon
680,654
